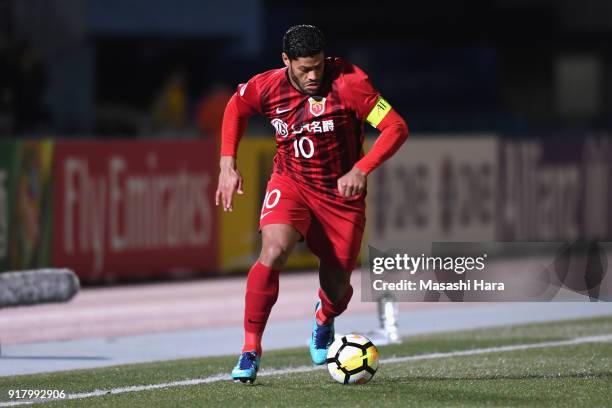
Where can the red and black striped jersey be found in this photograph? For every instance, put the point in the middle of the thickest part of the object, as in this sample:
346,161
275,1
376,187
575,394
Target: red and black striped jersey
318,138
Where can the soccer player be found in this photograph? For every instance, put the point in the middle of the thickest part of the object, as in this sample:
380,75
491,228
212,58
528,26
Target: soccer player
317,106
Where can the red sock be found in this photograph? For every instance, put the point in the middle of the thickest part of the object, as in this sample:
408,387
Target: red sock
261,294
330,309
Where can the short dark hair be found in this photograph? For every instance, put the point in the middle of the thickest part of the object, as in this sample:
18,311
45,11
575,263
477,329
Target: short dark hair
303,41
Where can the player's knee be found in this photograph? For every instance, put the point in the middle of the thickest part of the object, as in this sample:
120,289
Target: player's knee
274,254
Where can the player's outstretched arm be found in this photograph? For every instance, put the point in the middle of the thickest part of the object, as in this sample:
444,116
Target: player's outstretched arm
230,180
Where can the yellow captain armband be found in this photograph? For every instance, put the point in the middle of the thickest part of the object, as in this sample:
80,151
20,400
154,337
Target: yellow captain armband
379,111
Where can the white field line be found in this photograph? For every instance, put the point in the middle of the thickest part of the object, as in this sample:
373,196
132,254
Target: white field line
306,369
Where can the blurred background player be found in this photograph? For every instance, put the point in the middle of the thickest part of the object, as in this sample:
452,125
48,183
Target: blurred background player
318,107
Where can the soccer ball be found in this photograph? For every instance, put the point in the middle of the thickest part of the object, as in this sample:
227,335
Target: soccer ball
352,359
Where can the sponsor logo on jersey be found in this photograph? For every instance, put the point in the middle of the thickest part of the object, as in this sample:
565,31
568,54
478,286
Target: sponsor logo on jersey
243,89
313,127
281,127
317,105
261,217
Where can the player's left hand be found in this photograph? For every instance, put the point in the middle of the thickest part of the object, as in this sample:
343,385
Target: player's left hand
352,183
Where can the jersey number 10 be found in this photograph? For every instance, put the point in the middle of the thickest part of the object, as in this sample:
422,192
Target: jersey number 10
303,144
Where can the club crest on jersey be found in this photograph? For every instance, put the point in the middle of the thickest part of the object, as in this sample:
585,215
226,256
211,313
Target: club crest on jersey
317,105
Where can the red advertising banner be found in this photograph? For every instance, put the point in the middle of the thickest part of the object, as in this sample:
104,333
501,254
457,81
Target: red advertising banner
127,210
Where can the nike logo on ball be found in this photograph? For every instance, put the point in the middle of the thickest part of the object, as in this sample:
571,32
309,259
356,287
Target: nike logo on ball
278,111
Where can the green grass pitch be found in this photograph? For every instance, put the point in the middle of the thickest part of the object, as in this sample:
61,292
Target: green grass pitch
568,375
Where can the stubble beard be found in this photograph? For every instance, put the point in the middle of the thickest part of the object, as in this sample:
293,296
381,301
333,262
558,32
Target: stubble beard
299,86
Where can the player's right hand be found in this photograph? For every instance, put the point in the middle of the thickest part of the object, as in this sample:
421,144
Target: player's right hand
230,182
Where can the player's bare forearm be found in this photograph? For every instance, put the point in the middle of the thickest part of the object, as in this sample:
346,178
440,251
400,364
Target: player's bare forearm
227,162
230,182
352,183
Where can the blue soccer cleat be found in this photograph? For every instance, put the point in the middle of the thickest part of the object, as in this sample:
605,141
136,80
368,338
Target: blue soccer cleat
246,368
322,337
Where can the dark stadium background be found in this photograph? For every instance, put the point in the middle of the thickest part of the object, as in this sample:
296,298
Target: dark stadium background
82,81
446,65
